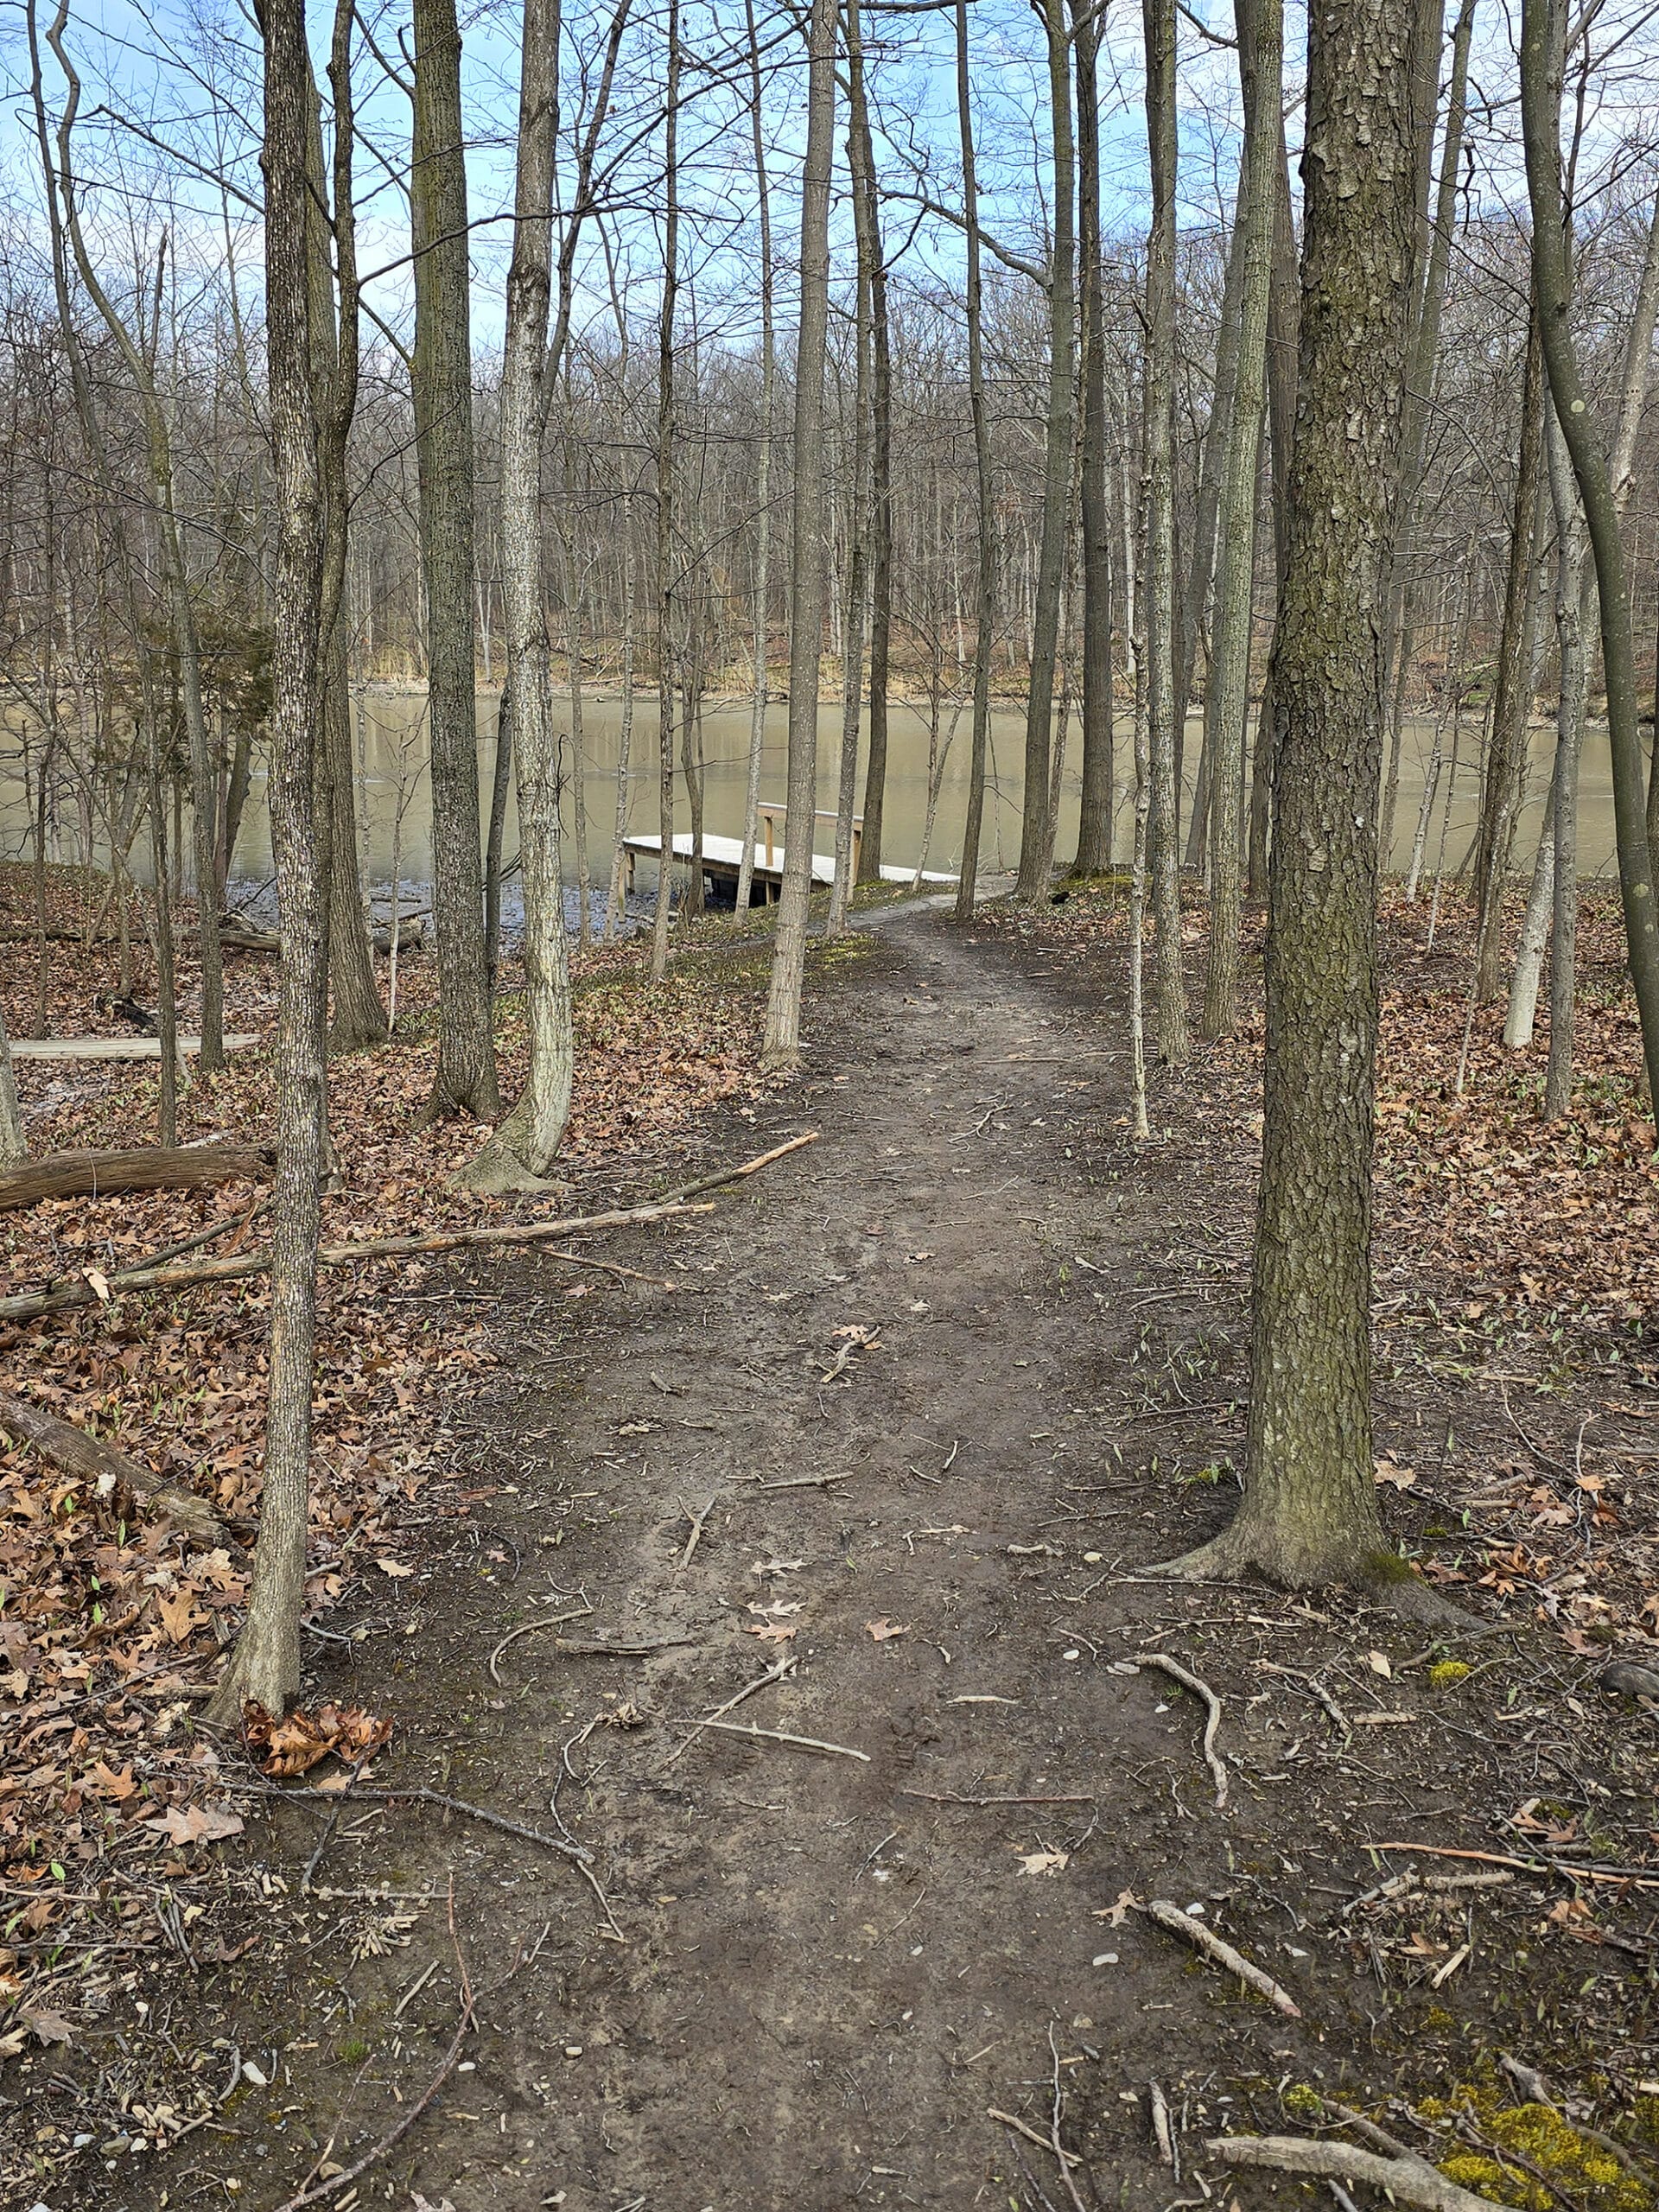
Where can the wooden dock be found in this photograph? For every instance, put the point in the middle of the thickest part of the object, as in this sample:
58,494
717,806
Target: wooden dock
722,858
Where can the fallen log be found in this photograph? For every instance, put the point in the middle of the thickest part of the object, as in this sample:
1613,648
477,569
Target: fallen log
153,1167
1407,2179
100,1464
116,1048
26,1306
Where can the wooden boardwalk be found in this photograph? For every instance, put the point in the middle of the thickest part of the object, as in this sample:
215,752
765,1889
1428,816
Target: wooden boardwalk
722,858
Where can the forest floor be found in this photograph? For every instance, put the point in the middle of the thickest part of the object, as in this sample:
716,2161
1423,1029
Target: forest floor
990,1356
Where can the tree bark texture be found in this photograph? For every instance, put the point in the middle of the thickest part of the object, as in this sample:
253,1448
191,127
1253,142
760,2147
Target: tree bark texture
265,1666
782,1044
1309,1512
1094,854
985,626
442,379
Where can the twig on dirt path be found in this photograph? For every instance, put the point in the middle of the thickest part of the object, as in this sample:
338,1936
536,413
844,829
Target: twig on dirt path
326,1837
529,1628
1314,1687
696,1521
784,1666
1206,1941
406,2120
577,1647
310,1801
1039,2192
1055,2144
1177,1672
1567,1866
807,1482
1163,2130
1411,2180
778,1736
611,1267
950,1797
1020,2127
1406,1889
749,1167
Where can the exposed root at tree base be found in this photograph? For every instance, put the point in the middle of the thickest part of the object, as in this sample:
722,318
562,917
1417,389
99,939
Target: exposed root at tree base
1243,1553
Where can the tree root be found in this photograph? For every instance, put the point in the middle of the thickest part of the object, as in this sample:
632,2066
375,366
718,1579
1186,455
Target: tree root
1409,2180
1241,1554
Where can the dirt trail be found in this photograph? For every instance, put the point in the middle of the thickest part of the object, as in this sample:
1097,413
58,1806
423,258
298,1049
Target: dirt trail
831,1976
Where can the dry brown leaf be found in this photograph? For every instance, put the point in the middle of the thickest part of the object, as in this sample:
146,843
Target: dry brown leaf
769,1631
1116,1915
1044,1862
298,1742
883,1631
186,1824
179,1616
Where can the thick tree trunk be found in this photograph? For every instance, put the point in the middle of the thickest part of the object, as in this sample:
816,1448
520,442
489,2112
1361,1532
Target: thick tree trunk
1284,316
465,1080
1094,854
522,1149
1260,25
782,1047
265,1668
1164,706
858,528
985,634
500,788
1036,840
1540,104
1309,1512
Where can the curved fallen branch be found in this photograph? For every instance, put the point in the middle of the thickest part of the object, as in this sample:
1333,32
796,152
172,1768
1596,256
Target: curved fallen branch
1177,1672
27,1305
1214,1947
74,1452
1410,2180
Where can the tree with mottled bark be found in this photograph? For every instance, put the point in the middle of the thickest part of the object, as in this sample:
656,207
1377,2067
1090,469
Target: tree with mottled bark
1260,24
984,486
782,1045
265,1666
760,599
667,552
1163,705
1542,59
1094,853
1036,833
442,379
1309,1513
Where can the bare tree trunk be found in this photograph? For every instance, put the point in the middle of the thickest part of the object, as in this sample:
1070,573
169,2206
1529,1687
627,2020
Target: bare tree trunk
880,517
500,788
521,1150
666,670
265,1668
858,549
985,633
1506,758
441,373
1136,641
1284,314
1164,707
14,1146
616,903
1425,354
1094,854
1540,103
1309,1511
1034,838
357,1017
760,620
1260,25
782,1048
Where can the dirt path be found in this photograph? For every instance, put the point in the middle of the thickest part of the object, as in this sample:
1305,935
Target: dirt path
827,1976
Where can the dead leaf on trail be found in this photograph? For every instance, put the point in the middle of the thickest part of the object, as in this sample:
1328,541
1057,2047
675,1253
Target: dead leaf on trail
397,1571
1400,1477
296,1743
777,1608
1044,1862
1116,1915
769,1631
179,1615
108,1784
776,1567
185,1824
48,2027
883,1631
1379,1665
100,1283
